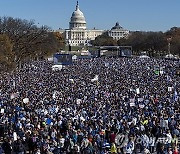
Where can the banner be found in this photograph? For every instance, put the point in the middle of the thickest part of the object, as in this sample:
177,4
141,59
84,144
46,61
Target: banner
140,99
156,72
48,121
161,72
95,78
107,64
78,101
141,106
132,102
55,94
15,136
2,110
26,100
137,91
71,80
169,89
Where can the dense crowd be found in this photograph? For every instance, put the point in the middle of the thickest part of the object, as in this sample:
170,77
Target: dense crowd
94,106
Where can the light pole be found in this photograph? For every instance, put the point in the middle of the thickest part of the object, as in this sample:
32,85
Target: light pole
169,45
69,46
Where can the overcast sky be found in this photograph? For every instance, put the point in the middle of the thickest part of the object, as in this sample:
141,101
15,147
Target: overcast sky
146,15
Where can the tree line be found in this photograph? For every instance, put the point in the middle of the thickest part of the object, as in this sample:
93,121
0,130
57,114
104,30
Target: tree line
22,41
154,43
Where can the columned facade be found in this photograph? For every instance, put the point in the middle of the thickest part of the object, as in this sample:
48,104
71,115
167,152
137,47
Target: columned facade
78,34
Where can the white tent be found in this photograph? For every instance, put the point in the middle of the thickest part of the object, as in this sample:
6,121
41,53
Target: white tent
50,59
57,67
170,56
144,56
74,57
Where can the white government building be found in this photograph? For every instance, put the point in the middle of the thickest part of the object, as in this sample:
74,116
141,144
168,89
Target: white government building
117,32
78,34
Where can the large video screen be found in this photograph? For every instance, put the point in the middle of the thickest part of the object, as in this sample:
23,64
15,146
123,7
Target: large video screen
62,59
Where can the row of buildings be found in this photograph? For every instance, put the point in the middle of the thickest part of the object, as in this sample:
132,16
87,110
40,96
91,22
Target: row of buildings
78,34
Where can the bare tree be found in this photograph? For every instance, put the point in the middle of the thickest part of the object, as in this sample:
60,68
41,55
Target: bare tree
28,40
6,53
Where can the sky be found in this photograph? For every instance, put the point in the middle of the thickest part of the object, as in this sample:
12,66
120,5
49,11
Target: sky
143,15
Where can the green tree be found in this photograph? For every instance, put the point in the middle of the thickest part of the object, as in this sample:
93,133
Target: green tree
103,40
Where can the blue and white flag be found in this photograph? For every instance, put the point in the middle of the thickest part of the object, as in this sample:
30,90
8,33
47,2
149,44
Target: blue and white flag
95,78
168,78
175,96
14,83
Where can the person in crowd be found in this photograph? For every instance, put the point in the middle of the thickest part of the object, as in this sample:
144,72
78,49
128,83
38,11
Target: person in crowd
98,105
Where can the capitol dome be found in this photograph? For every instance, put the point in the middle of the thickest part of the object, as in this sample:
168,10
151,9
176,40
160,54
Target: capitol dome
117,26
77,19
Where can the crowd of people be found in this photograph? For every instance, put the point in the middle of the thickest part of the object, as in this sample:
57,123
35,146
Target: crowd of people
94,106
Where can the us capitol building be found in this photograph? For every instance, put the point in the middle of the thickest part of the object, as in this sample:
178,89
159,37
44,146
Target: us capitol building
78,34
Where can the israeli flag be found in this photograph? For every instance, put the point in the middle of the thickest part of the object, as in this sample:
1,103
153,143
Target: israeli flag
175,96
95,78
